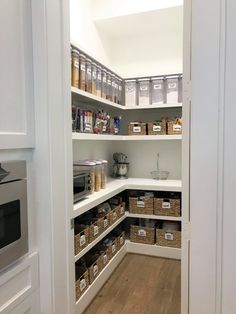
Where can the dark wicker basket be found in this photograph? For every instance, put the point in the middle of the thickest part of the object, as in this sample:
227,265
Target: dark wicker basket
81,239
82,282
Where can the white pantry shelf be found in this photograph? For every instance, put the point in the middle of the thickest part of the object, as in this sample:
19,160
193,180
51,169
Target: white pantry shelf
109,137
90,99
99,238
153,250
116,186
93,289
154,217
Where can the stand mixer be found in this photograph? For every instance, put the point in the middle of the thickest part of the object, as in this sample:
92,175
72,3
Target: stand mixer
120,166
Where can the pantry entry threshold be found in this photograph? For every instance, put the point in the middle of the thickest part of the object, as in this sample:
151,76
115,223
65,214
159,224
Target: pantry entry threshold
141,285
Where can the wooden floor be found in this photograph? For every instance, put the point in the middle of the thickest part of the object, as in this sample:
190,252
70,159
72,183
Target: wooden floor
140,285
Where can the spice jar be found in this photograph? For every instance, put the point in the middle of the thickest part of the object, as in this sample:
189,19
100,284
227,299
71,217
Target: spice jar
75,68
120,91
104,83
88,82
103,173
98,175
87,165
99,82
109,88
94,78
82,72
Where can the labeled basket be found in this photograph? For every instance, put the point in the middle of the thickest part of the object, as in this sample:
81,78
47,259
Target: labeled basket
113,248
121,240
144,235
104,254
167,207
137,128
141,205
168,238
82,281
94,264
81,239
105,222
121,210
157,128
116,213
174,127
96,229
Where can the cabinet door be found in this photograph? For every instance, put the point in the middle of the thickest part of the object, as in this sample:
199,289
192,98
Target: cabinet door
28,306
16,75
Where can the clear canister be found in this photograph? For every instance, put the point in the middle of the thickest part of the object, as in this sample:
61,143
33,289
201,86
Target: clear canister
157,91
144,92
98,175
104,83
113,88
88,76
94,78
103,173
87,165
75,68
120,90
109,87
82,72
130,93
172,90
116,90
99,82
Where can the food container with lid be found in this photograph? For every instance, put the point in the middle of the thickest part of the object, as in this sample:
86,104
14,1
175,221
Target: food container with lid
109,87
157,91
99,82
143,91
116,89
103,173
104,83
130,93
113,88
88,76
172,90
94,78
120,91
75,68
82,72
98,175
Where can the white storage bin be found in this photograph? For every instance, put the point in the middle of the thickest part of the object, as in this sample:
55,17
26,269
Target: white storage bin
172,90
130,93
144,91
158,95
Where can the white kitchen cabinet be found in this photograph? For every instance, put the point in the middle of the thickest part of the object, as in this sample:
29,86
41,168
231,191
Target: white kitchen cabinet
28,306
16,75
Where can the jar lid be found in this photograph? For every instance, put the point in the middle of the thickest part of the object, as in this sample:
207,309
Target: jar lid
88,60
84,163
75,50
83,56
97,162
104,161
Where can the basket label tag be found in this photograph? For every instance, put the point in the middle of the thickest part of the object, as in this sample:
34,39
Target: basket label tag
142,233
156,128
113,248
82,240
166,205
157,86
95,230
122,210
114,215
95,269
76,64
105,223
82,284
105,259
172,85
169,236
121,240
82,67
137,129
177,127
140,204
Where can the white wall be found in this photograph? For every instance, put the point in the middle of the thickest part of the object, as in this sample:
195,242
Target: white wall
110,8
83,32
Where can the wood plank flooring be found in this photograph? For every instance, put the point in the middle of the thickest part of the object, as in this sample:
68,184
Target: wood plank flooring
140,285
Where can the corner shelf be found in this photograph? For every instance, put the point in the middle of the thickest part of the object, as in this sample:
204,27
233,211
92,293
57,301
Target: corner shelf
116,186
154,217
90,99
109,137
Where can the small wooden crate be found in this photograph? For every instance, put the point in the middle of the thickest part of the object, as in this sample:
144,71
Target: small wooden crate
121,240
141,205
82,281
96,229
137,128
158,128
173,129
144,235
94,264
167,207
113,248
168,238
81,239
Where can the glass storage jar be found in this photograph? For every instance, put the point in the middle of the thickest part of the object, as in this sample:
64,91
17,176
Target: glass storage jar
99,82
120,91
172,90
157,91
109,88
82,72
88,76
113,88
104,83
94,78
130,93
98,175
143,92
87,165
116,90
75,68
103,173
